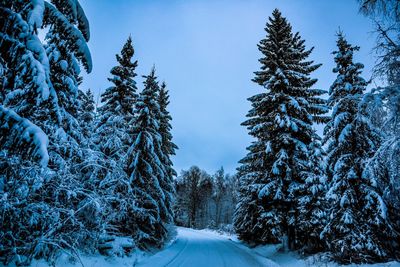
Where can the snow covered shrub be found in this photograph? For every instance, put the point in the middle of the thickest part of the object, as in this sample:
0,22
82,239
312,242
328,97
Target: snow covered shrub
383,170
26,222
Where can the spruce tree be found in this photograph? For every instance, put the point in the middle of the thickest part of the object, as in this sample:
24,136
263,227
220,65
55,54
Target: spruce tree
66,48
168,148
42,85
118,104
113,139
248,221
87,113
27,85
383,169
146,170
281,122
51,193
357,227
120,98
312,204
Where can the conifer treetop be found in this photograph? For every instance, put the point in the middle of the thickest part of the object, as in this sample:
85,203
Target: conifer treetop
284,58
348,81
165,125
148,97
121,97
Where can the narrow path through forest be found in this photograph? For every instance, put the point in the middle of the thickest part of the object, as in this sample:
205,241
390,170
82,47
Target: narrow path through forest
194,248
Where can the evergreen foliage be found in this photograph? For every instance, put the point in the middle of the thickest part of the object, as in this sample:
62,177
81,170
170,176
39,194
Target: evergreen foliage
146,171
281,122
86,112
358,226
312,205
168,148
75,177
118,101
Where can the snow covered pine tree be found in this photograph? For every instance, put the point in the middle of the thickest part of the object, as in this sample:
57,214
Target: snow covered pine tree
146,170
312,204
118,106
48,217
273,172
87,112
68,32
358,228
168,149
113,140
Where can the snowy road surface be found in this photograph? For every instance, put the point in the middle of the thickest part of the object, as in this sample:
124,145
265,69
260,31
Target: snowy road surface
195,248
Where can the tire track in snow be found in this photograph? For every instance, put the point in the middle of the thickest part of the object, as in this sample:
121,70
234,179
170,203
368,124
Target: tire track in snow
194,248
178,254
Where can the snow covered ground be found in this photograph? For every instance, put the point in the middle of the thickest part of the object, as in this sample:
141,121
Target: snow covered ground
292,259
194,248
202,248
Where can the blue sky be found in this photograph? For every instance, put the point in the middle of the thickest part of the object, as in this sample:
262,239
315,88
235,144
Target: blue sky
206,51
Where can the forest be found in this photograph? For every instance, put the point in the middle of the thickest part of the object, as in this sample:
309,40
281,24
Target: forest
77,175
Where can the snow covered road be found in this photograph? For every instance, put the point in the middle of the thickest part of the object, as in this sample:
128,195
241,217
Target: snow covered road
194,248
